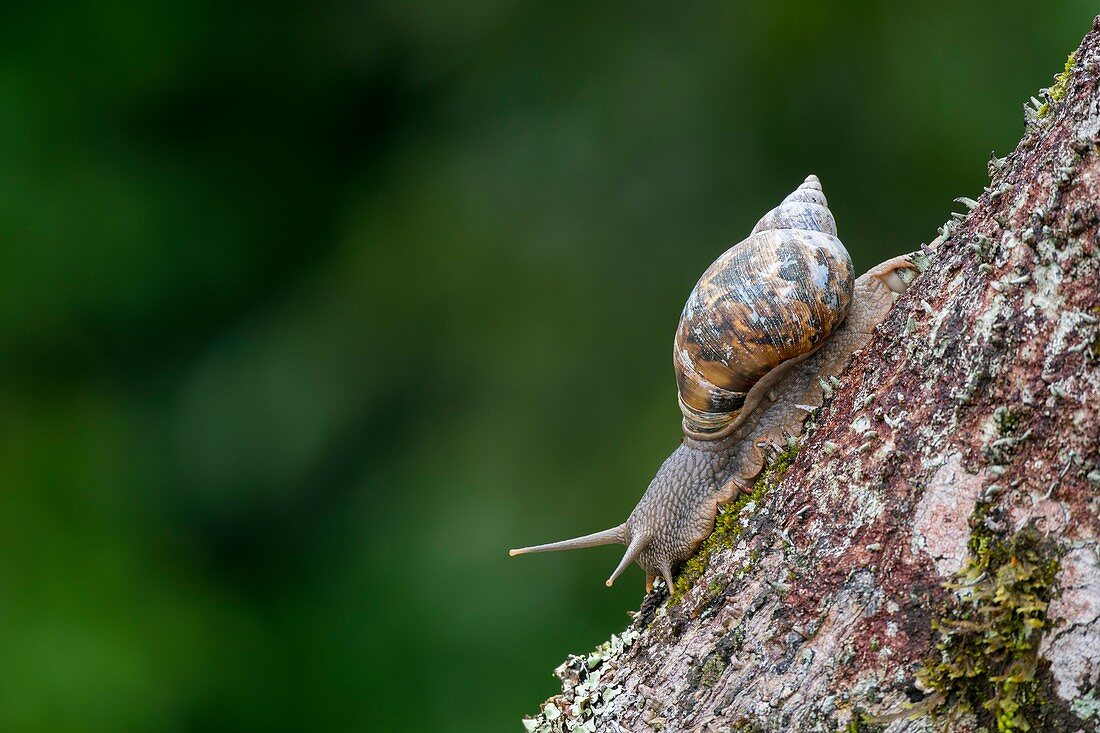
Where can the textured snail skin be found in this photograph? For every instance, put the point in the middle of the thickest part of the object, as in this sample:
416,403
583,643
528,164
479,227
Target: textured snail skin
677,511
723,448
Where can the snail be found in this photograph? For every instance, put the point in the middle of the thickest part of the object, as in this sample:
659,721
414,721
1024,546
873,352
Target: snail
767,321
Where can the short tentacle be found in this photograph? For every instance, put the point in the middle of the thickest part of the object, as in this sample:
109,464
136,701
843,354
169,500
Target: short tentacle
637,544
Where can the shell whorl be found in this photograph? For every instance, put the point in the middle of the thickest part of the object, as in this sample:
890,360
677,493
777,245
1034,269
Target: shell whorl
804,208
769,299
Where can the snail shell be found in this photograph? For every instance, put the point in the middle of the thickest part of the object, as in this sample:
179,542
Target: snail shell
766,302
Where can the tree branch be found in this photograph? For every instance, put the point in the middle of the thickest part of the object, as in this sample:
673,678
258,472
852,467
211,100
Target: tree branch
928,560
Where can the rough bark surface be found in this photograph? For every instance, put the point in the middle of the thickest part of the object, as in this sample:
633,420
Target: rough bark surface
969,419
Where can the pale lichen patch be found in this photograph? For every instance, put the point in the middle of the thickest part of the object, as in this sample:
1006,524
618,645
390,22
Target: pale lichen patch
586,697
1073,650
941,517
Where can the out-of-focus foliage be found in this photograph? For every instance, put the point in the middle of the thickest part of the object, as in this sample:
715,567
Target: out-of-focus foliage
311,310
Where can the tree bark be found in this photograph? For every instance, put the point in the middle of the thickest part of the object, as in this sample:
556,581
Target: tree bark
946,501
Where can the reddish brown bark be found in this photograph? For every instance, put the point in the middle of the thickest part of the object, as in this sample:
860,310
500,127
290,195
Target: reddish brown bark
972,412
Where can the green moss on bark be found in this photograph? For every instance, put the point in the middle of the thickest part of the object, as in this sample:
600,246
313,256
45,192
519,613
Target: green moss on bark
988,653
1057,91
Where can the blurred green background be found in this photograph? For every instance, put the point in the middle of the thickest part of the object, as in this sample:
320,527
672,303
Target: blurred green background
311,310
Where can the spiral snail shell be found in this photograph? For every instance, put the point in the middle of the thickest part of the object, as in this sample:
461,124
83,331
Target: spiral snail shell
770,317
771,298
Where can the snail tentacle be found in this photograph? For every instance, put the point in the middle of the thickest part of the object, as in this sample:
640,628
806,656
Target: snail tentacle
637,544
613,536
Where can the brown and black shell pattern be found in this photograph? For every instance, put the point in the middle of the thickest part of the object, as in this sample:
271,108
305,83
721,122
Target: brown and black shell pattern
768,300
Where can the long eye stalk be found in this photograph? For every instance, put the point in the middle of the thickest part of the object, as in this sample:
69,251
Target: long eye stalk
615,535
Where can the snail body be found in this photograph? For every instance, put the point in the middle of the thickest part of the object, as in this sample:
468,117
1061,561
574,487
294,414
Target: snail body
770,317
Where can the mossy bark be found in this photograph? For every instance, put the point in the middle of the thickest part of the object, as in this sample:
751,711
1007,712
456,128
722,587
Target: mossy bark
841,600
